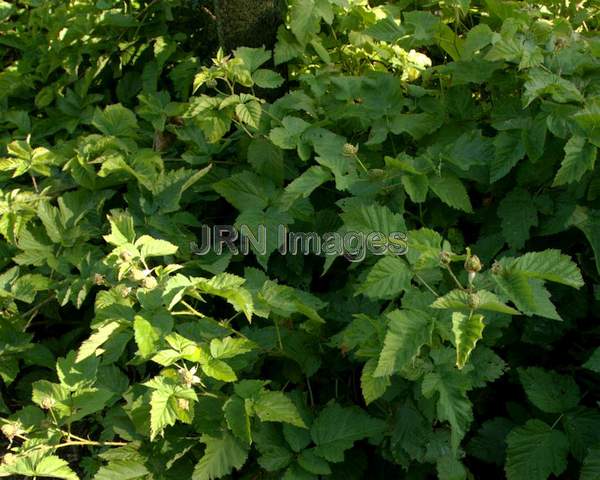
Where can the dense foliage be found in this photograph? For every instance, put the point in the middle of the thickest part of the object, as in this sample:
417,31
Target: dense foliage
471,126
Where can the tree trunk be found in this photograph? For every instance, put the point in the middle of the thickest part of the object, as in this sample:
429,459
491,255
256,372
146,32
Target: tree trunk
248,23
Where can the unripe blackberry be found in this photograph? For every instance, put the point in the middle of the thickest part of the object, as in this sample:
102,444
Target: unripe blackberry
473,264
349,150
445,258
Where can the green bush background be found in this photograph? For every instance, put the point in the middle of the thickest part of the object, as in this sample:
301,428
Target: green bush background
472,126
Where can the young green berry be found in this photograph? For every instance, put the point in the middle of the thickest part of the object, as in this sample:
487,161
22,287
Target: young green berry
473,301
445,258
473,264
496,268
137,275
349,150
149,282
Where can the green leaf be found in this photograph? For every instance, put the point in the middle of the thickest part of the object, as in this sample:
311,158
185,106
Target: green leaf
246,191
249,113
169,402
451,191
417,125
38,464
465,301
221,456
528,294
116,120
6,10
126,469
387,279
590,469
337,428
582,426
252,57
509,149
580,156
267,78
92,346
372,218
285,301
306,17
535,451
468,330
541,82
76,375
518,213
229,347
408,331
489,443
267,160
313,463
149,329
372,387
153,247
453,405
593,363
121,229
218,369
271,219
549,391
303,185
238,420
450,468
550,265
277,407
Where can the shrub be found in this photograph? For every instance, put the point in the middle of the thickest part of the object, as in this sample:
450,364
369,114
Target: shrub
465,133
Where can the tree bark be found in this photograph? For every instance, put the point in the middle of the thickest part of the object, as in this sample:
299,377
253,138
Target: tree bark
248,23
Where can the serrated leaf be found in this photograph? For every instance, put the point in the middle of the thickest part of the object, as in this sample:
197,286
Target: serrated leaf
221,456
550,265
154,247
130,469
219,370
39,464
580,156
593,363
590,470
450,190
468,330
265,78
387,279
453,405
303,186
465,301
549,391
489,443
518,213
306,17
92,346
277,407
237,418
337,428
169,402
372,387
582,426
313,463
535,451
116,120
249,113
408,331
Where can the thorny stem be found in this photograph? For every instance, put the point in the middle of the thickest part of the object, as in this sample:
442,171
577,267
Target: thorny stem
310,392
456,280
33,310
426,284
